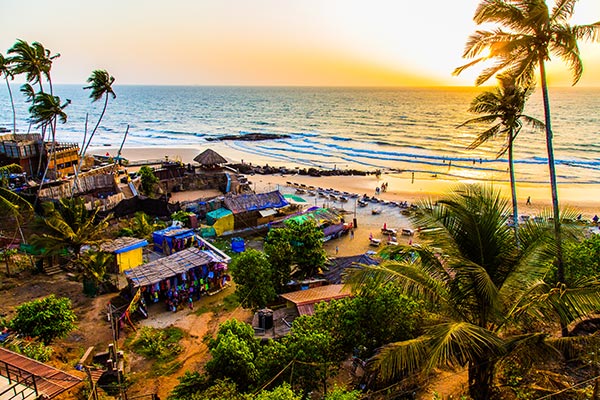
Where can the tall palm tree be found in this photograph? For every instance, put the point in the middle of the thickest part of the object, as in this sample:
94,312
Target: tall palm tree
480,286
69,225
46,110
32,60
101,84
503,111
6,71
532,33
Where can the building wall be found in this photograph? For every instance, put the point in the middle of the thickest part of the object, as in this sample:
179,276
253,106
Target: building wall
130,259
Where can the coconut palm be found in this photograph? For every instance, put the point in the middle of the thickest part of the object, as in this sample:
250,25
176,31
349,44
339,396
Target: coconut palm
6,71
32,60
69,225
479,283
46,110
101,84
503,111
532,33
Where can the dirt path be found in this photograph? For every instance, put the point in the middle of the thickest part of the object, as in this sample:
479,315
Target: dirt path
197,325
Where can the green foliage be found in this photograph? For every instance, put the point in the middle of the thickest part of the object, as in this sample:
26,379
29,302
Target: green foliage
32,349
159,344
189,384
280,253
582,259
282,392
149,180
253,276
181,216
67,224
357,323
142,226
235,354
47,318
306,240
342,394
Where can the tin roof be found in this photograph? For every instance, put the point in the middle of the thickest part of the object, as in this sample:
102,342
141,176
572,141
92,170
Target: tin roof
49,381
317,294
123,244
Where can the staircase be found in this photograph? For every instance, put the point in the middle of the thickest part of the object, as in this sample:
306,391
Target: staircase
51,270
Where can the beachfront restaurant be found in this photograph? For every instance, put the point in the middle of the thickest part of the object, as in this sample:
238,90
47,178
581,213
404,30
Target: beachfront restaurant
179,278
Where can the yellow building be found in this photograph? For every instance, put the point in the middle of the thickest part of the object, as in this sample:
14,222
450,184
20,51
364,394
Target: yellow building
128,252
63,161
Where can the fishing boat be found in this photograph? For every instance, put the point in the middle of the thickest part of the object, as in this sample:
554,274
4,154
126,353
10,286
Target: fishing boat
362,203
376,211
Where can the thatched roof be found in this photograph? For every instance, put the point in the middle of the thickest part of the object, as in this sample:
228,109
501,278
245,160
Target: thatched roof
210,157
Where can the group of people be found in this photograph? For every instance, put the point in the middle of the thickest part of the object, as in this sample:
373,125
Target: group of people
383,188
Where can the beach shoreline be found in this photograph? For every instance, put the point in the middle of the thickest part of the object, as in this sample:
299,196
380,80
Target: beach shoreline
402,186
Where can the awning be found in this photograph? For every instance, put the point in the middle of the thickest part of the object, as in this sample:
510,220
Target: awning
267,213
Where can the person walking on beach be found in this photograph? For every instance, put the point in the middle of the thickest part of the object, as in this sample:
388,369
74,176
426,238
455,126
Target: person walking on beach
352,234
528,201
337,250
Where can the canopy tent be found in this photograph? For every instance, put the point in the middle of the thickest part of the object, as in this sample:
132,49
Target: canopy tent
221,220
255,202
293,199
170,266
320,215
172,239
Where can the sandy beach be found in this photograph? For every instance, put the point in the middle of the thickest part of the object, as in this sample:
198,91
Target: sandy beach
401,187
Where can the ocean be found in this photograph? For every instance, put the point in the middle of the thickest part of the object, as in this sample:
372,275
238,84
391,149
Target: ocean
407,129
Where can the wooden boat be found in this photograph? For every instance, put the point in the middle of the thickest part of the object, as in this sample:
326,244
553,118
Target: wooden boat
300,191
407,232
389,231
374,242
376,211
362,203
343,199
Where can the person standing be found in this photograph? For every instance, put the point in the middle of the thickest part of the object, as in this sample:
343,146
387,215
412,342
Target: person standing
528,200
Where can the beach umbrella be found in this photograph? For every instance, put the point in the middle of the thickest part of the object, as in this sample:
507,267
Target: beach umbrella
210,157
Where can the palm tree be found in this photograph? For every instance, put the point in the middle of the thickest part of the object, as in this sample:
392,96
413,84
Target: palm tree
69,225
480,286
32,60
6,71
46,110
35,62
101,84
503,110
532,34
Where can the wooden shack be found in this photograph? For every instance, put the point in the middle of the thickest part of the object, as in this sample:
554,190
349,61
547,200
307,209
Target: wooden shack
128,252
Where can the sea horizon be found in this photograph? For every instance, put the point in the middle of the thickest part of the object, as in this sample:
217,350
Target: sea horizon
390,128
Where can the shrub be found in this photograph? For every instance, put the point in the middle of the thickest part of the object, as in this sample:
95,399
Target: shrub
47,318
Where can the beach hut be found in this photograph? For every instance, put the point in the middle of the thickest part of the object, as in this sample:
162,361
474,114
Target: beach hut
128,252
172,239
210,159
221,220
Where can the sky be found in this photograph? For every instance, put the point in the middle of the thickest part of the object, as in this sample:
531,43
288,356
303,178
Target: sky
264,42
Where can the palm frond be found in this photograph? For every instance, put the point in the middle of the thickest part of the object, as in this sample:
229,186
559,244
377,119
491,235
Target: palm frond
398,359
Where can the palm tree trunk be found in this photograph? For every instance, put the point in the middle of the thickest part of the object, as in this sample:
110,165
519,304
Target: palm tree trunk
481,375
12,103
513,187
52,147
97,124
560,272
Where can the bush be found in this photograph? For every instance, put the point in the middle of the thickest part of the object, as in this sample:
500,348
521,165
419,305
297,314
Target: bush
48,318
159,344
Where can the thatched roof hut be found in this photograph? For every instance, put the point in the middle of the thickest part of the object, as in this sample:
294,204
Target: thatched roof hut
210,158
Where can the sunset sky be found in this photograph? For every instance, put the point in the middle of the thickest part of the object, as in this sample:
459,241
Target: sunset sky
263,42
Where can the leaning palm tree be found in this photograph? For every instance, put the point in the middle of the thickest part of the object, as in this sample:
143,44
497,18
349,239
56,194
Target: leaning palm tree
35,62
101,84
532,33
32,60
479,284
46,110
503,111
6,71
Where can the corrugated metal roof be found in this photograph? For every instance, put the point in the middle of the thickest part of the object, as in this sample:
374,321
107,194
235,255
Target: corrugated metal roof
317,294
122,244
169,266
49,381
